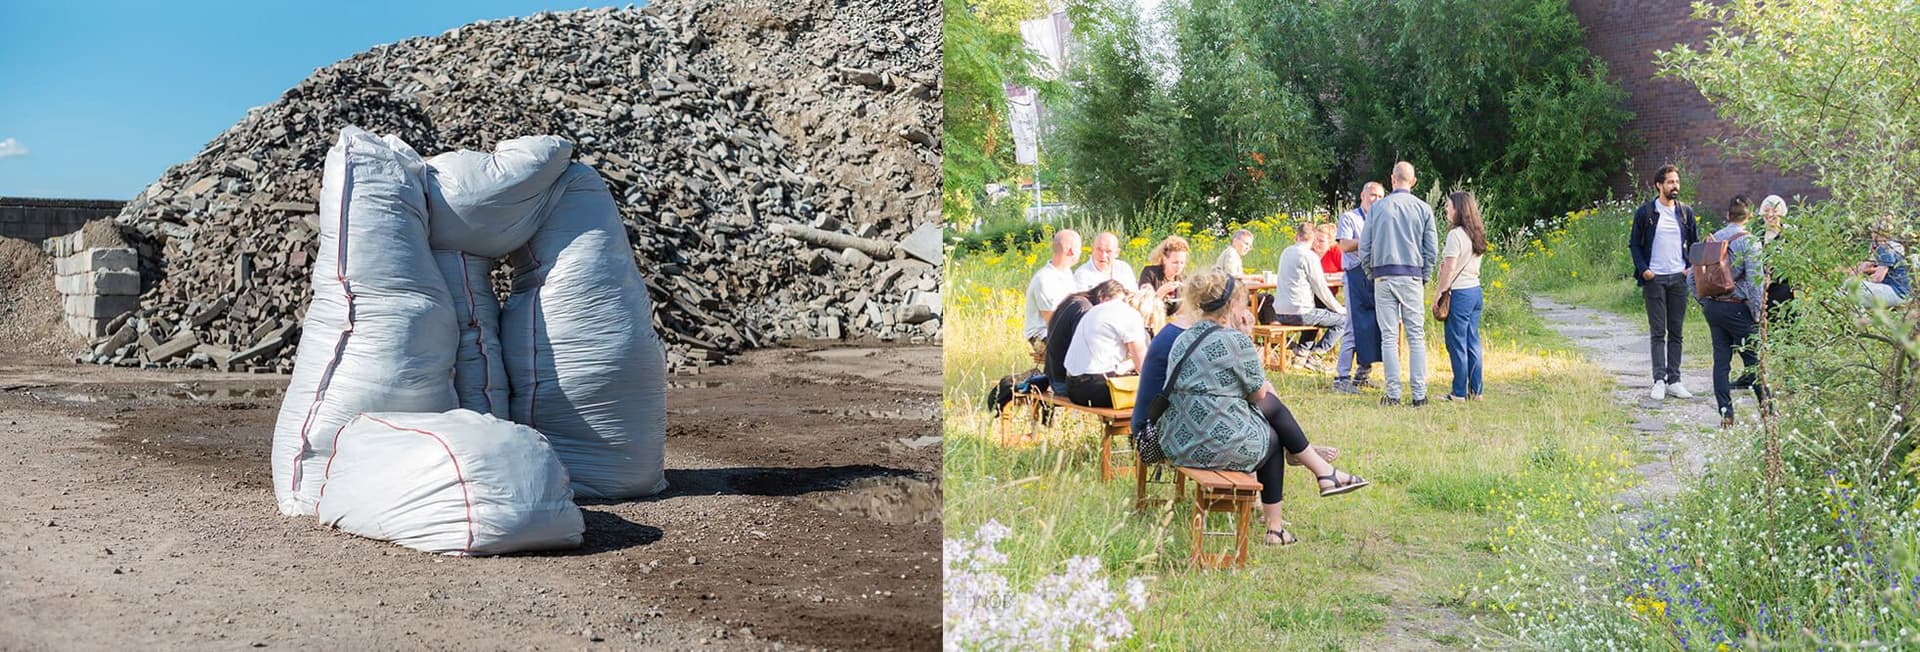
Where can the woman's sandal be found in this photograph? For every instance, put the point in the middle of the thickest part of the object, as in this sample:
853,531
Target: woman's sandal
1286,538
1339,487
1327,454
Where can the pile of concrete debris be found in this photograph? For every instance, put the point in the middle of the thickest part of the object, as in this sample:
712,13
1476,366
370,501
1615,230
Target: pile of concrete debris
776,165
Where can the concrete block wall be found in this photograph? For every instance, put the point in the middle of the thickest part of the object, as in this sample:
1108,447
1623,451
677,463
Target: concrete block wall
97,284
35,219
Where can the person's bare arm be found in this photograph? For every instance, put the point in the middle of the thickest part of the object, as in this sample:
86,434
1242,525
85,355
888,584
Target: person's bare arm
1446,271
1046,316
1348,246
1137,350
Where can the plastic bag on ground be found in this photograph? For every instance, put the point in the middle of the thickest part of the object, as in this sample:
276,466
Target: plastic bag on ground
587,368
379,333
488,204
479,373
457,483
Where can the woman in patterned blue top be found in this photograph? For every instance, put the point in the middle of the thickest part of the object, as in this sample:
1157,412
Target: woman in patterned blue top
1221,411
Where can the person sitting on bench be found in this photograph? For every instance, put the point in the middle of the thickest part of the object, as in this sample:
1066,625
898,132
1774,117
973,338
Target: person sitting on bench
1110,340
1066,319
1301,290
1222,413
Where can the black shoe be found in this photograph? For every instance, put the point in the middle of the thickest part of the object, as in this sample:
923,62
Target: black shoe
1418,402
1745,381
1389,402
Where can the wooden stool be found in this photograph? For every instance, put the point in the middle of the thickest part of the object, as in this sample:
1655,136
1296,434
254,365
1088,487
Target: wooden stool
1229,492
1271,341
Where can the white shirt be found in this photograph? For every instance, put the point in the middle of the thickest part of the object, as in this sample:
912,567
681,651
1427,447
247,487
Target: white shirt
1230,261
1049,287
1466,272
1100,342
1300,280
1086,277
1668,256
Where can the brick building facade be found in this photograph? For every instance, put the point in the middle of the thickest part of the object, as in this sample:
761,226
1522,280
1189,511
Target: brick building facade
1673,121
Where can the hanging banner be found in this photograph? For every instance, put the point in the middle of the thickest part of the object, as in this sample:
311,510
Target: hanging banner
1023,117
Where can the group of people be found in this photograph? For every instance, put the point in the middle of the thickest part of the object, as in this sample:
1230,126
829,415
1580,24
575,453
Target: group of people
1186,333
1669,259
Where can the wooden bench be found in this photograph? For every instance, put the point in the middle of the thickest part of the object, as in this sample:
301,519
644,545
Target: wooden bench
1116,427
1272,339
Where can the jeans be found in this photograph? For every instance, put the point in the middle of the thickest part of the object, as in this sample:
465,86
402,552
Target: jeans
1732,328
1334,322
1463,341
1400,303
1666,299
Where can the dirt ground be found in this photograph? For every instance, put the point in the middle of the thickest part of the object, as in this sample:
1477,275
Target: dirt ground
135,513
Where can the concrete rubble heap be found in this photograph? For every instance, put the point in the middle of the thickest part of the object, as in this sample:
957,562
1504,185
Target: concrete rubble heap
776,165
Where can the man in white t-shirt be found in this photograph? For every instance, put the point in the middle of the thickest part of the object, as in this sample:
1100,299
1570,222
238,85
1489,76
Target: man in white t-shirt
1663,231
1300,281
1104,264
1230,258
1111,340
1050,286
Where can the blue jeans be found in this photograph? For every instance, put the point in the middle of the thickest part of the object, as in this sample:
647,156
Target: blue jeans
1463,341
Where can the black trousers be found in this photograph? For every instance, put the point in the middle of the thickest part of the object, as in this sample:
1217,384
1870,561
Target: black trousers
1287,436
1089,390
1733,330
1666,299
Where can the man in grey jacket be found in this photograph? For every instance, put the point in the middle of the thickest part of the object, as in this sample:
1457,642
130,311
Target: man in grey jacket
1399,249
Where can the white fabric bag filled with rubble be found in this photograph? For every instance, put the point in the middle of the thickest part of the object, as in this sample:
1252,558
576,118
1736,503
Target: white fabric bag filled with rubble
489,204
456,483
479,372
587,368
379,334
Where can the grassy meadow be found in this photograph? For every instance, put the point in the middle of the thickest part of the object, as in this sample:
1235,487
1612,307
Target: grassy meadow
1460,490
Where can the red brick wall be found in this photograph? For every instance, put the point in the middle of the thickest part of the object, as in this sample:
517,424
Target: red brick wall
1673,121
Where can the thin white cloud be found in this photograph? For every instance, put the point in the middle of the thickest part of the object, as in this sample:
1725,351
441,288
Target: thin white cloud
11,148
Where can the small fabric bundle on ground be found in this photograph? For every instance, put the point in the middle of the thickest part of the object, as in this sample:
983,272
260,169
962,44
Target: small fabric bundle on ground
454,483
586,365
379,333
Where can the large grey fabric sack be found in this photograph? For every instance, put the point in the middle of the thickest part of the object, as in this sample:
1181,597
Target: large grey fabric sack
379,334
587,368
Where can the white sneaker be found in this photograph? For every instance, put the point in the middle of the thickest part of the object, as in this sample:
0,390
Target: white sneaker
1676,390
1659,390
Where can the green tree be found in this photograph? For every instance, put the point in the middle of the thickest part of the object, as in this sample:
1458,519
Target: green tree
1100,133
1830,89
981,51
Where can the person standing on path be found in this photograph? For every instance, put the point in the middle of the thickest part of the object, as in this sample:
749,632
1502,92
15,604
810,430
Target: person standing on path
1460,270
1734,318
1360,342
1399,249
1663,231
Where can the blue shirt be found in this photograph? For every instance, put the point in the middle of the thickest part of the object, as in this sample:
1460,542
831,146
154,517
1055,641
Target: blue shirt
1349,226
1891,256
1153,373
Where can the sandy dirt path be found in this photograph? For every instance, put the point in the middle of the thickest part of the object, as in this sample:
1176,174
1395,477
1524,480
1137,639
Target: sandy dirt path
135,513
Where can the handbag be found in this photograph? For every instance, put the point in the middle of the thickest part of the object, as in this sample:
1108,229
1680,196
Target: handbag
1147,441
1445,300
1123,389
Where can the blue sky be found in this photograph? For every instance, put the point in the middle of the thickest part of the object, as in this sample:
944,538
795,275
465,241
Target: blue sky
97,98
